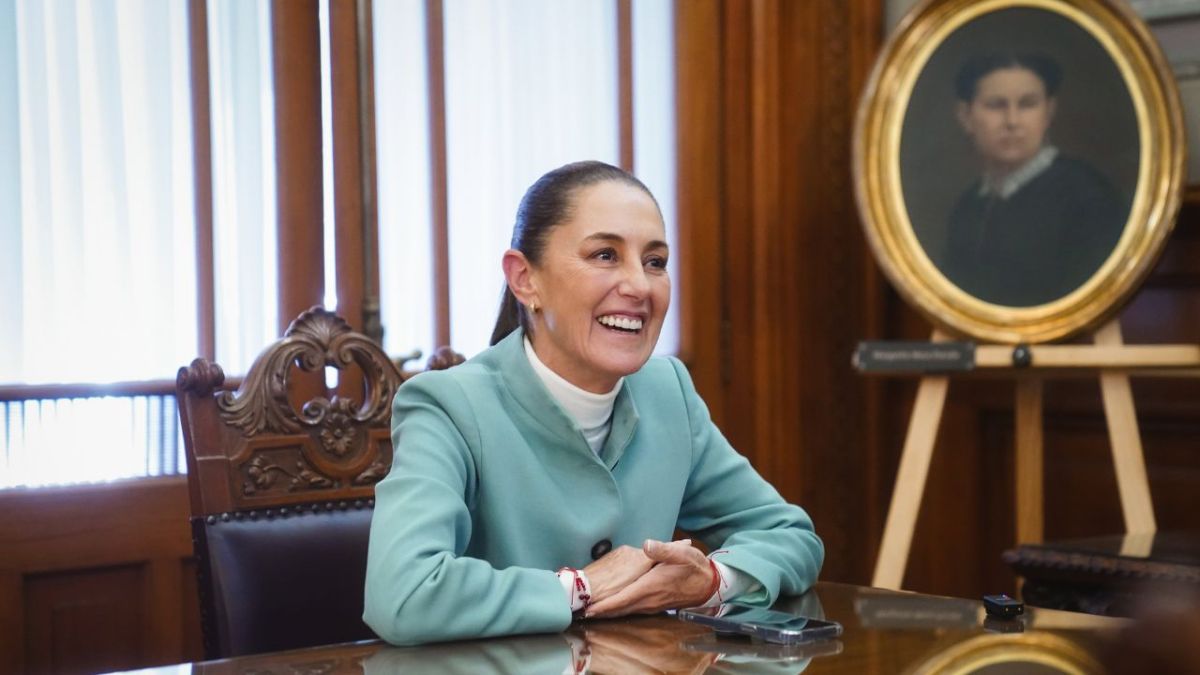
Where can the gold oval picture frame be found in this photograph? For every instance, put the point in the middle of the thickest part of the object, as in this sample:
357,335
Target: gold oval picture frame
1019,164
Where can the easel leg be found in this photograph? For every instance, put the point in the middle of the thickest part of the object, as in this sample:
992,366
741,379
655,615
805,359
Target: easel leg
1128,458
1029,471
910,482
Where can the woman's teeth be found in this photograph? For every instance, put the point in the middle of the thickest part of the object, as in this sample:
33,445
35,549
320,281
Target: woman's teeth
621,322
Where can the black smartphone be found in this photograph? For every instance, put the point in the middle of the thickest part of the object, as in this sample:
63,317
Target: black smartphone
767,625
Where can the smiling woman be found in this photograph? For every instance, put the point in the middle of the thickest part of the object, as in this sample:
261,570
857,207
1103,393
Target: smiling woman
545,477
600,286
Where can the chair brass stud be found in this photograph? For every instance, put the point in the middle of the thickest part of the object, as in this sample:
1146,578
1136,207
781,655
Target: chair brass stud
225,517
211,520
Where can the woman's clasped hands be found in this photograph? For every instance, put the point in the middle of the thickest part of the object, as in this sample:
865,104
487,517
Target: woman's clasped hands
656,577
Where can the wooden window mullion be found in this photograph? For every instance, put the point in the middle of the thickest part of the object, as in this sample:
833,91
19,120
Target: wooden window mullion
435,51
296,61
625,82
206,338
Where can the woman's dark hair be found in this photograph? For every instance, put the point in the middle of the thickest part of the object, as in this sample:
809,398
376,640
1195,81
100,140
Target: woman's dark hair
546,204
982,65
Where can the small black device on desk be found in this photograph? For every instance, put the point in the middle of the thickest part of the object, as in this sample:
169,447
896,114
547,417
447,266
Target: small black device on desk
764,624
1003,606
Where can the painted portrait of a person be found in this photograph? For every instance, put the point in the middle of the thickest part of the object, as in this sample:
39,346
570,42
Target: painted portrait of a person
1038,222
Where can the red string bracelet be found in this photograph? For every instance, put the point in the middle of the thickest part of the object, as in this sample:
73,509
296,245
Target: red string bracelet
580,588
716,582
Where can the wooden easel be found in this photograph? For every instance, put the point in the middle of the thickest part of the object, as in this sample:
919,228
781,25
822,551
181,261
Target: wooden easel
1110,358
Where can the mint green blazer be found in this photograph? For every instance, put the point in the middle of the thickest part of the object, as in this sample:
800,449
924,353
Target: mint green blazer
493,488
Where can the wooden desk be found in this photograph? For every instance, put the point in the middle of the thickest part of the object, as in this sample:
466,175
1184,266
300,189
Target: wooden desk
885,632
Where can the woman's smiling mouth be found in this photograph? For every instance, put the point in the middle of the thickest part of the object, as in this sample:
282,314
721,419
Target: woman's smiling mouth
621,323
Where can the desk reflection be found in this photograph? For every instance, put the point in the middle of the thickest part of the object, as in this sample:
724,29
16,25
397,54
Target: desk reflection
658,644
885,632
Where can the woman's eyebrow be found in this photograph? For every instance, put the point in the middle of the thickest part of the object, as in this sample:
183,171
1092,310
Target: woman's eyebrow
618,239
604,236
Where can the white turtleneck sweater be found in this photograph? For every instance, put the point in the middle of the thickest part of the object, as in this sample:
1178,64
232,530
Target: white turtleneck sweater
592,413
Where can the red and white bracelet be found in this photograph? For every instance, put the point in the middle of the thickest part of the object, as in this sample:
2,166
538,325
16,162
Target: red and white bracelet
575,583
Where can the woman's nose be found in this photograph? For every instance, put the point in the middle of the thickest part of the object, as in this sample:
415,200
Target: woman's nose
634,282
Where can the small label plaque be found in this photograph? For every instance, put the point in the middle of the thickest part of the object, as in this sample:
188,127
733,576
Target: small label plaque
914,356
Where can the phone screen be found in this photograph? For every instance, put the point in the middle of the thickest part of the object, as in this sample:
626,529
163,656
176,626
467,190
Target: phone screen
766,624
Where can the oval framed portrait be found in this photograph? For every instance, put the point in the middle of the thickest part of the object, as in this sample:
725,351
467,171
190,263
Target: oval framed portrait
1019,164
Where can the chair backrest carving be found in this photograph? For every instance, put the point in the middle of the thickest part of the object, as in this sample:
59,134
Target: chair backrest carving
282,471
267,450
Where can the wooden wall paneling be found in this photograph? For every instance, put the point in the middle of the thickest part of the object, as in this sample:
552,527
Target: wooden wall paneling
865,25
764,271
766,95
699,186
202,177
438,178
839,314
93,577
193,638
296,59
954,515
81,622
12,619
164,607
812,269
738,175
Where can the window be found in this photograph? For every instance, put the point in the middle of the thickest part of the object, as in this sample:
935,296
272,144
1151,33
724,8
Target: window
98,230
96,233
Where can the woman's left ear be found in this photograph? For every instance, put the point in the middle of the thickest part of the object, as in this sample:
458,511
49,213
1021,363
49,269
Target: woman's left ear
518,272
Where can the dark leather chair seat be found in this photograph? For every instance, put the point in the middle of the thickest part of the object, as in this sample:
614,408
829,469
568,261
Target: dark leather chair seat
268,569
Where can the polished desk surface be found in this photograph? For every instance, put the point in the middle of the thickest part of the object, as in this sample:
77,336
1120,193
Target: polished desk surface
884,632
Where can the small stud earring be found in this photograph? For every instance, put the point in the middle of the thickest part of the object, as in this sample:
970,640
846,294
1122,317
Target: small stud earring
533,308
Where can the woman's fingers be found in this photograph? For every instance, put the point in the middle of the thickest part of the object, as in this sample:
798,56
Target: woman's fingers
678,552
616,570
668,585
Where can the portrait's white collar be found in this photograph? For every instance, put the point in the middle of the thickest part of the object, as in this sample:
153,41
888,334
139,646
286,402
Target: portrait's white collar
1014,181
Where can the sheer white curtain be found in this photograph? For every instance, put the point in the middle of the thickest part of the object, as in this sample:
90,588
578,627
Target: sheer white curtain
104,288
403,176
654,131
243,179
529,86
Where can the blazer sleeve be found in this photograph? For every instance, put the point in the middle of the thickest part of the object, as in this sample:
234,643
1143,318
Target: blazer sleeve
730,507
419,585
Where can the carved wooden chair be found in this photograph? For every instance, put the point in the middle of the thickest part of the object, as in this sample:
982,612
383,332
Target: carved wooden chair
282,486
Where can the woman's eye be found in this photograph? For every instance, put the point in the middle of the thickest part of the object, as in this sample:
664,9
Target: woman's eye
607,255
657,262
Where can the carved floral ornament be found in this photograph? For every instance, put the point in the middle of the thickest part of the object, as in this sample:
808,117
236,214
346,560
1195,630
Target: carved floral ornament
316,340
